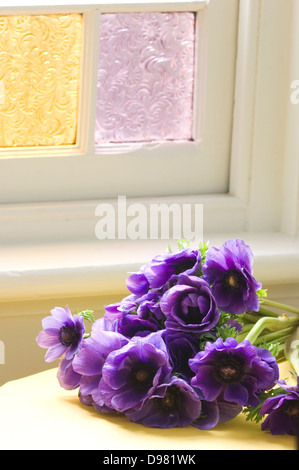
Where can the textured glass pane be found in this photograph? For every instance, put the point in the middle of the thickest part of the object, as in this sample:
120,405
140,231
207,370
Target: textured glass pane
39,76
145,77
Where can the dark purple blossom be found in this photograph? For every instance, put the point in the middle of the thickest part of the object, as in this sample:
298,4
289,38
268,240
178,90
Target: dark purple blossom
148,306
163,270
181,347
132,325
237,371
229,270
90,359
166,267
174,404
282,411
190,306
62,334
214,412
131,374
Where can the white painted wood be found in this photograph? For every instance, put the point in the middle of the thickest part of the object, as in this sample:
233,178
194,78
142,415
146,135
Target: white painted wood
290,193
245,91
75,269
269,127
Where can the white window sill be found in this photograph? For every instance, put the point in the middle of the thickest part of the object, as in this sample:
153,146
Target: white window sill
101,268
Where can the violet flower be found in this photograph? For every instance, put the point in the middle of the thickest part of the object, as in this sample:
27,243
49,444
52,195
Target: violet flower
117,310
163,270
62,334
282,411
132,325
190,306
181,347
237,371
137,283
90,359
166,267
229,271
174,404
131,374
214,412
67,377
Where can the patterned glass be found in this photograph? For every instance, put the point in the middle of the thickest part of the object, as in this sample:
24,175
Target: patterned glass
39,79
145,77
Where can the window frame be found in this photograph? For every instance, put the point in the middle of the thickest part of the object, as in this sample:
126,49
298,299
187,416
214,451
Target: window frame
262,203
84,148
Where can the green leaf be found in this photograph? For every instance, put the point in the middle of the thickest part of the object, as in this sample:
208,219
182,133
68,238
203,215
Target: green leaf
226,331
262,294
292,350
169,250
183,244
253,413
203,248
87,315
274,348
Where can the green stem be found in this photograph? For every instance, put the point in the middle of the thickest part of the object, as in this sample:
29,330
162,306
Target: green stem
277,336
272,324
281,306
268,313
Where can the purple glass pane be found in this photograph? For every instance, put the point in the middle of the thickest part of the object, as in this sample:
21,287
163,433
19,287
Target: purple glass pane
145,77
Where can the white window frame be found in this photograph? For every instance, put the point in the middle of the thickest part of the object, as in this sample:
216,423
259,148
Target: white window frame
261,205
187,158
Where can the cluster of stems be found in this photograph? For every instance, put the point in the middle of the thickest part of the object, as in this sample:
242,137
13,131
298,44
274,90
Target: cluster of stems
272,324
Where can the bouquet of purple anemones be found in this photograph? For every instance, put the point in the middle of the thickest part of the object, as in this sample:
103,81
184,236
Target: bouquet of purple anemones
196,342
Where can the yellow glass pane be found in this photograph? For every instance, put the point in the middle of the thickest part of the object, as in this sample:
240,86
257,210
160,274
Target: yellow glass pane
39,79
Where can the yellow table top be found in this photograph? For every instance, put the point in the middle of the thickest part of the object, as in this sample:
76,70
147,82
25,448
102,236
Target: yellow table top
37,414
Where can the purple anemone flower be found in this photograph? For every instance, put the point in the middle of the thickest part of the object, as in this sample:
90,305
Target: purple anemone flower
67,377
229,271
132,325
174,404
131,374
62,334
282,411
165,268
237,371
181,347
214,412
117,310
90,359
190,306
148,306
137,283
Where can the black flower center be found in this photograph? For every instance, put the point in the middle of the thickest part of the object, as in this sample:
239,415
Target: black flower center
291,408
68,336
184,265
194,315
233,279
171,401
142,376
229,370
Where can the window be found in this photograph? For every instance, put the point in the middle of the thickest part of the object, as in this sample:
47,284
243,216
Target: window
145,77
40,65
242,164
192,133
